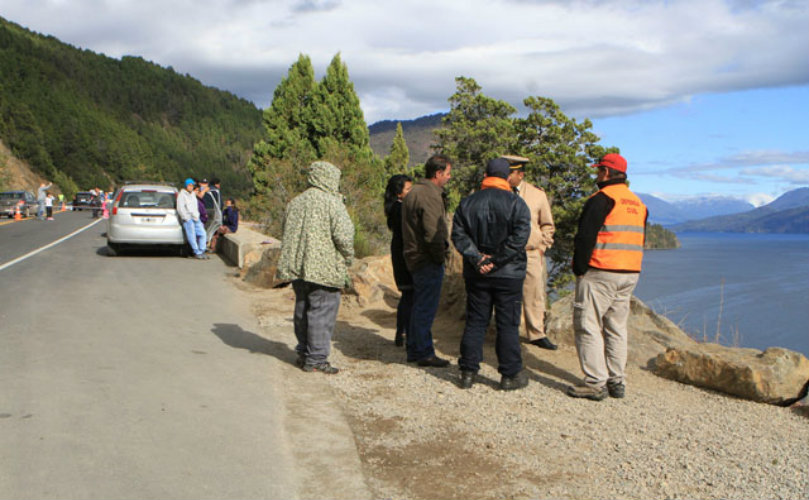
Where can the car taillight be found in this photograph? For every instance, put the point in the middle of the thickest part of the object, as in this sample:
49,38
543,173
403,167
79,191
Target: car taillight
115,203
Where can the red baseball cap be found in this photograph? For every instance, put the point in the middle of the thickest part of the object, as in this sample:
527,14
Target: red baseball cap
613,161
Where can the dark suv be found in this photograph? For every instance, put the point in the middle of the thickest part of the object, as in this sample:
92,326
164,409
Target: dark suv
83,200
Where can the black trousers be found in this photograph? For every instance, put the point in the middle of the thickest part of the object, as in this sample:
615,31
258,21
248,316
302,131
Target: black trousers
504,295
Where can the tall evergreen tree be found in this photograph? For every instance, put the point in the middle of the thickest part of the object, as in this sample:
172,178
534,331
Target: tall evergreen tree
561,152
286,125
324,120
285,120
477,129
396,162
335,115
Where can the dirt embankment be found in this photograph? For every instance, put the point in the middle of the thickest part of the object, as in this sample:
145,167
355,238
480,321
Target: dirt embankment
17,174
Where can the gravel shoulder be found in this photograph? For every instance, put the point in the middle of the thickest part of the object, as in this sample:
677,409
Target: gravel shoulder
420,436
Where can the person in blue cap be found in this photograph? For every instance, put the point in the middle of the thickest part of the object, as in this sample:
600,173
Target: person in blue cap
490,230
188,211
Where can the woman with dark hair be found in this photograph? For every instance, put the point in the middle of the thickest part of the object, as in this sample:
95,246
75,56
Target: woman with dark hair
398,187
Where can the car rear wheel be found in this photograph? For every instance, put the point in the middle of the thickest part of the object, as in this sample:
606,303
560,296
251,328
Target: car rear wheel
113,249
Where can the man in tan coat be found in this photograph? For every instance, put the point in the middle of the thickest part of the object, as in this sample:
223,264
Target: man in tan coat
541,239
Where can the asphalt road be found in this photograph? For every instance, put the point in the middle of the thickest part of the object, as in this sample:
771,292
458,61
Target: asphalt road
118,380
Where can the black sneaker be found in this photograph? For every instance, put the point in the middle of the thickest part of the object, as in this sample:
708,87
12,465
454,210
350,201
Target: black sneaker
616,390
467,379
518,381
399,340
324,367
433,361
544,343
301,360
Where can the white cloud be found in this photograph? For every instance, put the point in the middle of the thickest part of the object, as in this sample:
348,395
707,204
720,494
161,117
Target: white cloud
594,58
780,172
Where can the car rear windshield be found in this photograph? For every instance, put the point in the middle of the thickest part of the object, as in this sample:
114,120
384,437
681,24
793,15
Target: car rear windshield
147,199
12,195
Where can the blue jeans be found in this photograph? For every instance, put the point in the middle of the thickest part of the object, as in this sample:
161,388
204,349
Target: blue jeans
427,290
505,296
195,232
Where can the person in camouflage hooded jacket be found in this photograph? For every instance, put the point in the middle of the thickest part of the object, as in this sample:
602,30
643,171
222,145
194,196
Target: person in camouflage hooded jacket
316,249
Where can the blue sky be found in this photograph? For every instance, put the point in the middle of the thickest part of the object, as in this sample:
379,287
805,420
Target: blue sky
752,144
704,97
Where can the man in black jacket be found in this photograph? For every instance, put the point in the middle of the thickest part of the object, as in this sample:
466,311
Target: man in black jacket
490,229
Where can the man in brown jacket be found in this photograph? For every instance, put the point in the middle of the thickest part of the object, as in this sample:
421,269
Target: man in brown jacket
425,238
541,239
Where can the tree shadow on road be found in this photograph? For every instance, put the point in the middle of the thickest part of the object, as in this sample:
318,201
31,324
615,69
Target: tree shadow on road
239,338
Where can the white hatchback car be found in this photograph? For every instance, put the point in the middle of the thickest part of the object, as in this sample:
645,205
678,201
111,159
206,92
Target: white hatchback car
144,215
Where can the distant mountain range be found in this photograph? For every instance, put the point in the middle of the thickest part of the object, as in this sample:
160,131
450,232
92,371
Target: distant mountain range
671,213
789,213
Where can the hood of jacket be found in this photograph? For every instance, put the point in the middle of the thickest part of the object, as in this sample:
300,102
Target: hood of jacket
324,176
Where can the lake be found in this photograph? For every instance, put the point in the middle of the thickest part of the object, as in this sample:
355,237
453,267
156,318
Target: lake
759,281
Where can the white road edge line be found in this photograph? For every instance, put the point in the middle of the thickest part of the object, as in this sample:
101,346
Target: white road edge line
49,245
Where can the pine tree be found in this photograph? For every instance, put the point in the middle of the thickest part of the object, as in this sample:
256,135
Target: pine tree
477,129
286,126
308,121
561,152
396,162
286,119
335,115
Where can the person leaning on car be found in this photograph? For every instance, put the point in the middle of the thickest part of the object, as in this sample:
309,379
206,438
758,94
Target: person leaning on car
188,210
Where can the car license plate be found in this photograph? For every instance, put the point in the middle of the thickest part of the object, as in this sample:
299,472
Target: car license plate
150,220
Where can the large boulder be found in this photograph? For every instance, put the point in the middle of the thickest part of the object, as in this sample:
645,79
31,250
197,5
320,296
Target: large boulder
650,334
776,376
260,265
372,280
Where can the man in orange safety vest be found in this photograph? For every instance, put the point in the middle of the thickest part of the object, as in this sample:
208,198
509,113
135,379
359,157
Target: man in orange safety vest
607,262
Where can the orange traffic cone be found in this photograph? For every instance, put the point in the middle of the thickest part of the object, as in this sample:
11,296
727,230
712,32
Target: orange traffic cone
64,209
17,214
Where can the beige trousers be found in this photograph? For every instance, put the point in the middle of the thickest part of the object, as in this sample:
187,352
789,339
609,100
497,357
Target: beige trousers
533,295
600,314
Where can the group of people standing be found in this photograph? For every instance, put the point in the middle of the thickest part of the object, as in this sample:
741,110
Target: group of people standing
502,232
194,204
